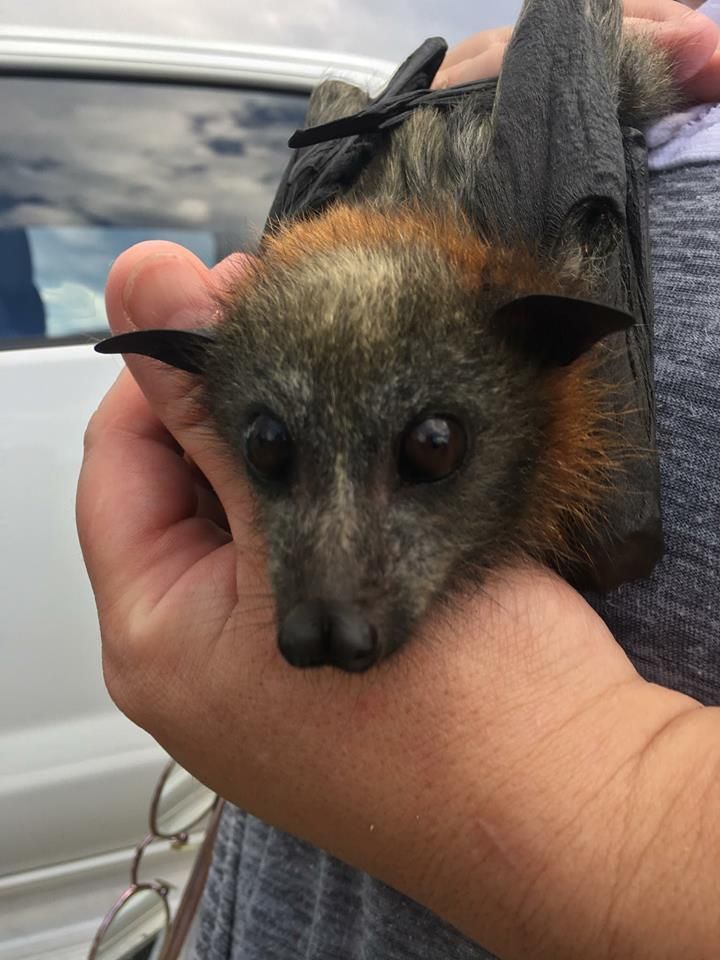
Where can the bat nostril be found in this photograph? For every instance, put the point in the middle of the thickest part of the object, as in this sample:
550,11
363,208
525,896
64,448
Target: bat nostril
303,637
316,633
354,643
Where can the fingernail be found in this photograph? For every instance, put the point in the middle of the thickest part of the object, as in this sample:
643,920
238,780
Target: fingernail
166,291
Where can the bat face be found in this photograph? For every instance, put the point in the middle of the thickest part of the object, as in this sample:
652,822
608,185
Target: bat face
384,471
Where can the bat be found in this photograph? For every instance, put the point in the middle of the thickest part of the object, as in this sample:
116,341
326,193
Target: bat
440,361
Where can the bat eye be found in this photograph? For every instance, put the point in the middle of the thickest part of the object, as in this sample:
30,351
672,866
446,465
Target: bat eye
431,449
269,448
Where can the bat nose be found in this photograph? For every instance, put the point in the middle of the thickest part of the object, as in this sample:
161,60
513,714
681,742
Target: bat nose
316,633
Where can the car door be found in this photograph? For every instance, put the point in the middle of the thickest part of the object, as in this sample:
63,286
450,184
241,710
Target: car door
89,164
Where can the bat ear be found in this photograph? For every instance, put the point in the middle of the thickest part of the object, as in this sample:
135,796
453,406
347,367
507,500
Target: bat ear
184,349
557,330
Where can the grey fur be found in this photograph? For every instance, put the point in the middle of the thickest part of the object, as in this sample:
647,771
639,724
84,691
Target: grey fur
348,345
647,91
333,99
433,154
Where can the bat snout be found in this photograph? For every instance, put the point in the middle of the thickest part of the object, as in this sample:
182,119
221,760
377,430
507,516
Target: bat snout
317,633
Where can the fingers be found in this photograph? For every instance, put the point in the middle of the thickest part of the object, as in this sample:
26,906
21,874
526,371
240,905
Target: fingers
704,86
137,505
481,66
474,58
127,270
148,514
161,285
474,45
691,39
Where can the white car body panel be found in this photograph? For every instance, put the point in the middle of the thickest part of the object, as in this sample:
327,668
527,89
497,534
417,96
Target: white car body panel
53,913
52,681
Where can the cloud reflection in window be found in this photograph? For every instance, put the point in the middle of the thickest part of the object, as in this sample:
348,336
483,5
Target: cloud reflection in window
89,167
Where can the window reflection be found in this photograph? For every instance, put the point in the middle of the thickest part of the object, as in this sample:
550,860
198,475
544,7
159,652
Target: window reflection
71,264
88,168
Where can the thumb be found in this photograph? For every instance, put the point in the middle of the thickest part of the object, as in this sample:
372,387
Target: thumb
159,285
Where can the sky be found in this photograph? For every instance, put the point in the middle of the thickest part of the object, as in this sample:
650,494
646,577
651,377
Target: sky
380,28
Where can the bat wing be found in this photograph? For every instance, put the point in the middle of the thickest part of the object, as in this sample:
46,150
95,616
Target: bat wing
561,166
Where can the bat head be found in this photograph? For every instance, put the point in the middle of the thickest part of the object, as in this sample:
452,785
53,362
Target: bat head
393,420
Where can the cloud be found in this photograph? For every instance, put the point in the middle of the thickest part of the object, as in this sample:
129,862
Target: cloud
141,155
70,266
72,308
91,167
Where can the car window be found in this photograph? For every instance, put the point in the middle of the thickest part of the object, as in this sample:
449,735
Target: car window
88,168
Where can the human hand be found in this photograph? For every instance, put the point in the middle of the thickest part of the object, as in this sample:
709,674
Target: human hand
542,809
690,38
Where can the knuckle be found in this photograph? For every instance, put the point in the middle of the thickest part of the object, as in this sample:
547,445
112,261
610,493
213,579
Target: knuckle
127,671
93,431
120,687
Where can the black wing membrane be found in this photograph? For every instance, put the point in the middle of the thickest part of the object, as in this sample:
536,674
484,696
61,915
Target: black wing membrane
560,165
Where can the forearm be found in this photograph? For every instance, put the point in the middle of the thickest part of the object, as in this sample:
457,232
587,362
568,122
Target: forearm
625,866
622,864
669,865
